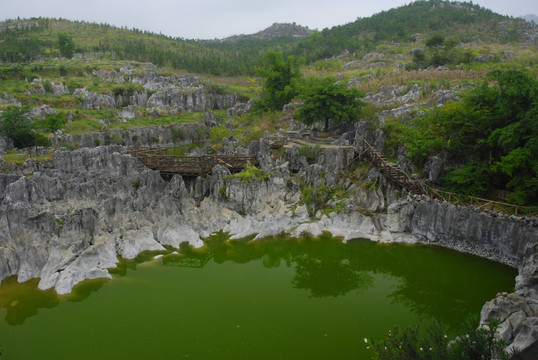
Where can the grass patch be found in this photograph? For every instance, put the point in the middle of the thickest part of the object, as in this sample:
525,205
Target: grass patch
251,174
18,158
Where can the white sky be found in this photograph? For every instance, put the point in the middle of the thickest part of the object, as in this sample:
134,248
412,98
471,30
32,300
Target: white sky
208,19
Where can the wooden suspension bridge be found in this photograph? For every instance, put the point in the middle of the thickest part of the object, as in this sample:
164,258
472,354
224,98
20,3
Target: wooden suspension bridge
157,159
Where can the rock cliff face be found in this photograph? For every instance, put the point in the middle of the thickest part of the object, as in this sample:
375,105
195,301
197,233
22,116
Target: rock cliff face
141,137
71,218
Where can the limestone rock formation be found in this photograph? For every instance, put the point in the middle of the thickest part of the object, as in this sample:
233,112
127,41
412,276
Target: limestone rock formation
42,112
94,101
59,89
9,99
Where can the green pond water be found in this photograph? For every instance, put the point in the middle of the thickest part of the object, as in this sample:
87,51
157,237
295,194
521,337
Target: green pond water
272,299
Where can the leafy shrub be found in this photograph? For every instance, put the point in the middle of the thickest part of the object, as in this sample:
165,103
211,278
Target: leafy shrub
315,198
41,140
218,133
310,152
251,174
477,343
178,134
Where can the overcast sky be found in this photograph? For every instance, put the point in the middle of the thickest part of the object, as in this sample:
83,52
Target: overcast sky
209,19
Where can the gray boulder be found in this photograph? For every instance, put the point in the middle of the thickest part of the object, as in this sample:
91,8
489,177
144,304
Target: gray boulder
3,145
296,162
94,101
442,97
210,119
8,99
433,169
517,313
139,99
42,112
59,89
240,108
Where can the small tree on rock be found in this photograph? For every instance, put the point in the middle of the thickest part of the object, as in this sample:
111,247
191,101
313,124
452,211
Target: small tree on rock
15,125
325,100
52,123
281,79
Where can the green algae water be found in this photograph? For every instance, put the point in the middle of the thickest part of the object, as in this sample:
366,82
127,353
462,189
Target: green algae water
271,299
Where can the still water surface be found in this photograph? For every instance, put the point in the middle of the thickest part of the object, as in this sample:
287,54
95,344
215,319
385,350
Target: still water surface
272,299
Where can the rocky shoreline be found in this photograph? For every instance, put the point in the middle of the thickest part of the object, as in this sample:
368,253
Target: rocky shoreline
72,217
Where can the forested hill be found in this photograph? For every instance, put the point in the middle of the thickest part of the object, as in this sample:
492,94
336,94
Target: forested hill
458,21
28,40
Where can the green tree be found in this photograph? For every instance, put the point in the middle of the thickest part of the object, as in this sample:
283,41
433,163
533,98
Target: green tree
281,79
325,101
492,136
435,41
66,45
52,123
16,126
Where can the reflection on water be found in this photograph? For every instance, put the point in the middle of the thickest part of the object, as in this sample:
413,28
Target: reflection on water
324,266
328,267
24,300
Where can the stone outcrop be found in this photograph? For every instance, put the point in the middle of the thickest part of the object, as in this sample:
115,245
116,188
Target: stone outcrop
93,101
175,100
140,137
42,112
392,95
8,99
59,89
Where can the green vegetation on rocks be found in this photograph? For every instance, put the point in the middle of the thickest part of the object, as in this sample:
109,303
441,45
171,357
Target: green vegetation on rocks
476,343
492,133
326,100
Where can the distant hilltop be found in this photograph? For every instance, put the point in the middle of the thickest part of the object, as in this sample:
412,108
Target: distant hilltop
531,17
275,31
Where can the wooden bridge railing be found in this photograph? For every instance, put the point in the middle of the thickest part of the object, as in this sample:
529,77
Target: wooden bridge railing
394,173
189,165
482,204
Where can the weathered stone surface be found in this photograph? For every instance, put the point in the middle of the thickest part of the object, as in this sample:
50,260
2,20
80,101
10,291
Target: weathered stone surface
433,169
141,137
110,76
92,100
394,95
42,112
59,89
175,100
139,99
518,314
9,99
296,162
444,96
240,108
528,271
3,145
